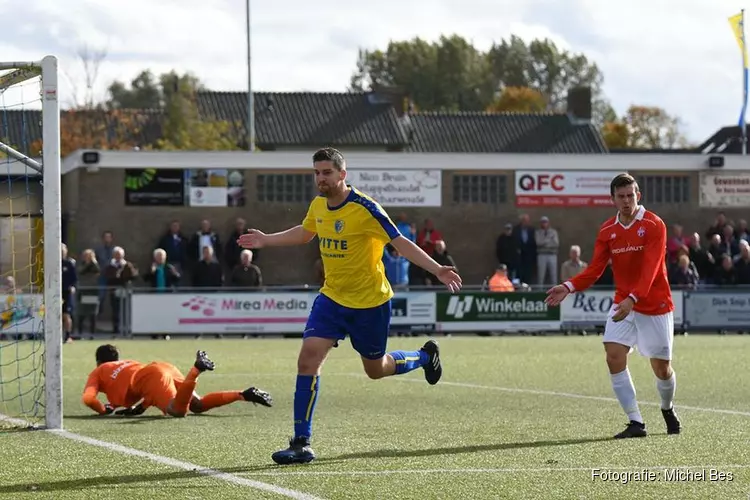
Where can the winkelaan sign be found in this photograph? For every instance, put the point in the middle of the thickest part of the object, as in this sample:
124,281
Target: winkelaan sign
495,311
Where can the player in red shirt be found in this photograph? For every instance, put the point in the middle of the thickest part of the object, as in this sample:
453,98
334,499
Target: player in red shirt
635,242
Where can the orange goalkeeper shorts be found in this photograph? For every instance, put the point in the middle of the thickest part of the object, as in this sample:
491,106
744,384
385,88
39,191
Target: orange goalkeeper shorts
157,384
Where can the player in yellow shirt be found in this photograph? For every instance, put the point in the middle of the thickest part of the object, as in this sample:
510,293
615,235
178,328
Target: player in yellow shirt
355,299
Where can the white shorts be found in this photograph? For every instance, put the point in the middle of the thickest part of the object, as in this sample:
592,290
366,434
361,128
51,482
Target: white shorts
652,335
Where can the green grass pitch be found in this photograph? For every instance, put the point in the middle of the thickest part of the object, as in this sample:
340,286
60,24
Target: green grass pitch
513,417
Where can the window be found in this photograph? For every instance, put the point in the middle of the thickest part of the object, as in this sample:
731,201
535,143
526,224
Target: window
285,188
664,188
480,189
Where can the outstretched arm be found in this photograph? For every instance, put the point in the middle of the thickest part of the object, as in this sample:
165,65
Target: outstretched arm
415,255
90,392
297,235
254,238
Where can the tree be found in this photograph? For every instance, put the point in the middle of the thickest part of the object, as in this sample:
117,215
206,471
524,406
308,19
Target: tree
90,60
518,100
452,74
102,129
183,127
645,127
144,93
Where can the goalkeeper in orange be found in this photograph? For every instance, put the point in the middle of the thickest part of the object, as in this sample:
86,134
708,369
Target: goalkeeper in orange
135,387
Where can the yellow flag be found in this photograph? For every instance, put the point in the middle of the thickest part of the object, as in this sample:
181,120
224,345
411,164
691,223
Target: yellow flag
737,22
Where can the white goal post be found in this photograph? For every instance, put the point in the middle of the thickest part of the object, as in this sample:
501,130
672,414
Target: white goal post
11,74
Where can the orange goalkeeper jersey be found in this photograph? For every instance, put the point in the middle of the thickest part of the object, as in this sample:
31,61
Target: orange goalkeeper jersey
113,379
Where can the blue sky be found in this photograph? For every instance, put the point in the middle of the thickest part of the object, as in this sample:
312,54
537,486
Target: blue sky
680,55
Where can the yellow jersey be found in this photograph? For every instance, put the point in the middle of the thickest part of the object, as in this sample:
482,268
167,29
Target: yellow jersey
351,238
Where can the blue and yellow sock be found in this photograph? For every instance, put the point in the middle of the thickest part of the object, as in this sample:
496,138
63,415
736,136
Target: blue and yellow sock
407,361
305,397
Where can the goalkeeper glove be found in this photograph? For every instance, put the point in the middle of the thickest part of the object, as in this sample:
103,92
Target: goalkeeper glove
132,411
108,409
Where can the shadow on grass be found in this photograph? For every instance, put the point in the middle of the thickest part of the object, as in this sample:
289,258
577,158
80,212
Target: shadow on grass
455,450
84,483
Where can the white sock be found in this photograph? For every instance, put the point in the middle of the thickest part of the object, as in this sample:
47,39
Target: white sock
666,390
625,392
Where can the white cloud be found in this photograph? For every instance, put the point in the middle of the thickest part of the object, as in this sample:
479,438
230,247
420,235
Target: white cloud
682,57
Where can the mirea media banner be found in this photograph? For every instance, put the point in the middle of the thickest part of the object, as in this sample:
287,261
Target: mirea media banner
254,312
482,311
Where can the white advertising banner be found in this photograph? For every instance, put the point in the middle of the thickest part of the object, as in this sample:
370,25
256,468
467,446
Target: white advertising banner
21,313
413,308
725,189
591,307
538,188
251,312
399,188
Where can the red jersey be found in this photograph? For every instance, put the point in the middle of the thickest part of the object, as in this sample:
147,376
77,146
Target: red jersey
638,255
113,379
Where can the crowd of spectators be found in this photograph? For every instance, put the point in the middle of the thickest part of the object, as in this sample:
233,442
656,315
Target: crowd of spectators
718,257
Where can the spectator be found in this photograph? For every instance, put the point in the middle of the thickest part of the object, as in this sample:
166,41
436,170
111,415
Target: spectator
506,251
104,255
547,246
729,244
742,266
675,242
407,229
119,274
69,284
683,275
246,274
715,249
442,257
175,244
233,250
573,265
702,258
499,282
88,295
204,237
526,245
725,274
208,272
162,275
428,236
718,227
396,267
741,233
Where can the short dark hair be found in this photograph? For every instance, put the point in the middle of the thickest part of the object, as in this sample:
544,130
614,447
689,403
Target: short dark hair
330,154
622,180
106,353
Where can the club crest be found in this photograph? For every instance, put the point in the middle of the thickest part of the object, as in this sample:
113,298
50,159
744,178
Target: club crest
338,226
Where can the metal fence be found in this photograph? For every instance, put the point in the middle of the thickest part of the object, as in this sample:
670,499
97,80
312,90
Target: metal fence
283,310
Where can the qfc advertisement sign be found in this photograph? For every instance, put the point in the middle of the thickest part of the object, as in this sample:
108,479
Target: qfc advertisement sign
591,307
502,311
255,312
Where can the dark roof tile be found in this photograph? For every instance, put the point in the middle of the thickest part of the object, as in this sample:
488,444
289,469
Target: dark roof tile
478,132
309,118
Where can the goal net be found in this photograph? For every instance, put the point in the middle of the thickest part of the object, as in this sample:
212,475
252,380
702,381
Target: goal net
30,260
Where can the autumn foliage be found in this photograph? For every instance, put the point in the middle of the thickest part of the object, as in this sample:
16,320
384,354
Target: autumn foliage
518,100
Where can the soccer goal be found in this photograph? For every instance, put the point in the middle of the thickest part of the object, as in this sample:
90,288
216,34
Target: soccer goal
30,241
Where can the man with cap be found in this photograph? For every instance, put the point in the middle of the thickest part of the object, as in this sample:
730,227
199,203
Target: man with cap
547,247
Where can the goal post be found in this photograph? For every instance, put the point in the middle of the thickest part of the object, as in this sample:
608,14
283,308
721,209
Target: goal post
31,343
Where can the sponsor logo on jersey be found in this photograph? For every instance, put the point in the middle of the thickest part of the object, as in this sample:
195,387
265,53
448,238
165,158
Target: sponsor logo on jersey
629,248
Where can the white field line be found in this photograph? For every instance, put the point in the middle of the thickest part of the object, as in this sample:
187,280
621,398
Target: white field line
178,464
563,395
521,470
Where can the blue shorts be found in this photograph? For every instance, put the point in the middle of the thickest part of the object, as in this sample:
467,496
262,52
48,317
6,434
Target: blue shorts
367,328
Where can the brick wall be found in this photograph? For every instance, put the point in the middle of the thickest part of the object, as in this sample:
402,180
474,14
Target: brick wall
470,229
